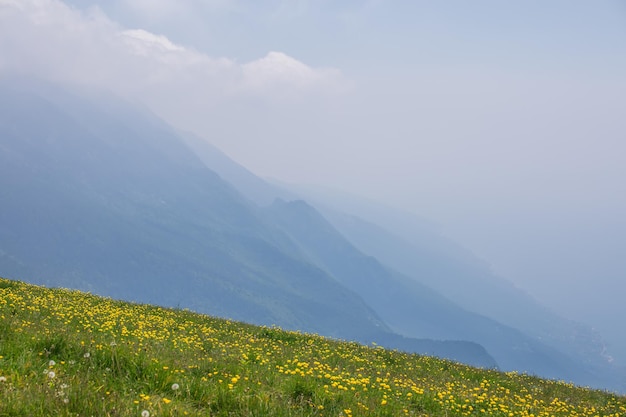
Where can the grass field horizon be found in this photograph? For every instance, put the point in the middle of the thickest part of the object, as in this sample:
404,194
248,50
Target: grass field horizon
68,353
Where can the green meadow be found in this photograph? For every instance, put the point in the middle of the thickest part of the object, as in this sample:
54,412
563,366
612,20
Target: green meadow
68,353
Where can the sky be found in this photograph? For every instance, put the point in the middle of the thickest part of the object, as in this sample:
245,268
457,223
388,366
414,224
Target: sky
501,121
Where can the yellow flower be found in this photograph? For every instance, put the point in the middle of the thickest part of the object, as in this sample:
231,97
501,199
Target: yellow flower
166,401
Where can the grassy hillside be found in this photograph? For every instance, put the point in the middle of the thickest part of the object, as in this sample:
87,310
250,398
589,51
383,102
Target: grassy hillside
66,353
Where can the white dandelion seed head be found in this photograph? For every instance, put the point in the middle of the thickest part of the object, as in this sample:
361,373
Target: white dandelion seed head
3,378
66,400
51,374
52,363
145,413
86,355
175,386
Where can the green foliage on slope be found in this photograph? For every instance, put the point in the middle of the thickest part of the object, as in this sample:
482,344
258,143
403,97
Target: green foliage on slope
67,353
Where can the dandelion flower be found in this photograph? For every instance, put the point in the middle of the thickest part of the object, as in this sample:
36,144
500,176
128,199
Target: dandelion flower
145,413
86,355
51,374
52,363
3,378
167,401
175,387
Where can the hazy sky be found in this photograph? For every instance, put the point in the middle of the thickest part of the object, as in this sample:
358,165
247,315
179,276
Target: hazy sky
501,120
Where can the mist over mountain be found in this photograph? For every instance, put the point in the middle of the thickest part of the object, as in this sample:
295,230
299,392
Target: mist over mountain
105,197
131,212
419,250
409,307
102,195
416,248
500,121
474,302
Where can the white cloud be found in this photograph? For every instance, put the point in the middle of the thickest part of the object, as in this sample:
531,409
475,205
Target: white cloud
50,39
146,43
277,70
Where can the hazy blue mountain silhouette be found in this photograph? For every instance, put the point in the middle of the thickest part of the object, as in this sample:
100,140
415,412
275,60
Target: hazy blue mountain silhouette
103,196
122,208
416,249
411,308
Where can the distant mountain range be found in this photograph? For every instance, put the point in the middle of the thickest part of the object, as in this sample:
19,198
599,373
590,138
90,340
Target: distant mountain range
101,195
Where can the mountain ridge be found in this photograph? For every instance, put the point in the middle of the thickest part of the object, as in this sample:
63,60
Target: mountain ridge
118,203
168,231
405,240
